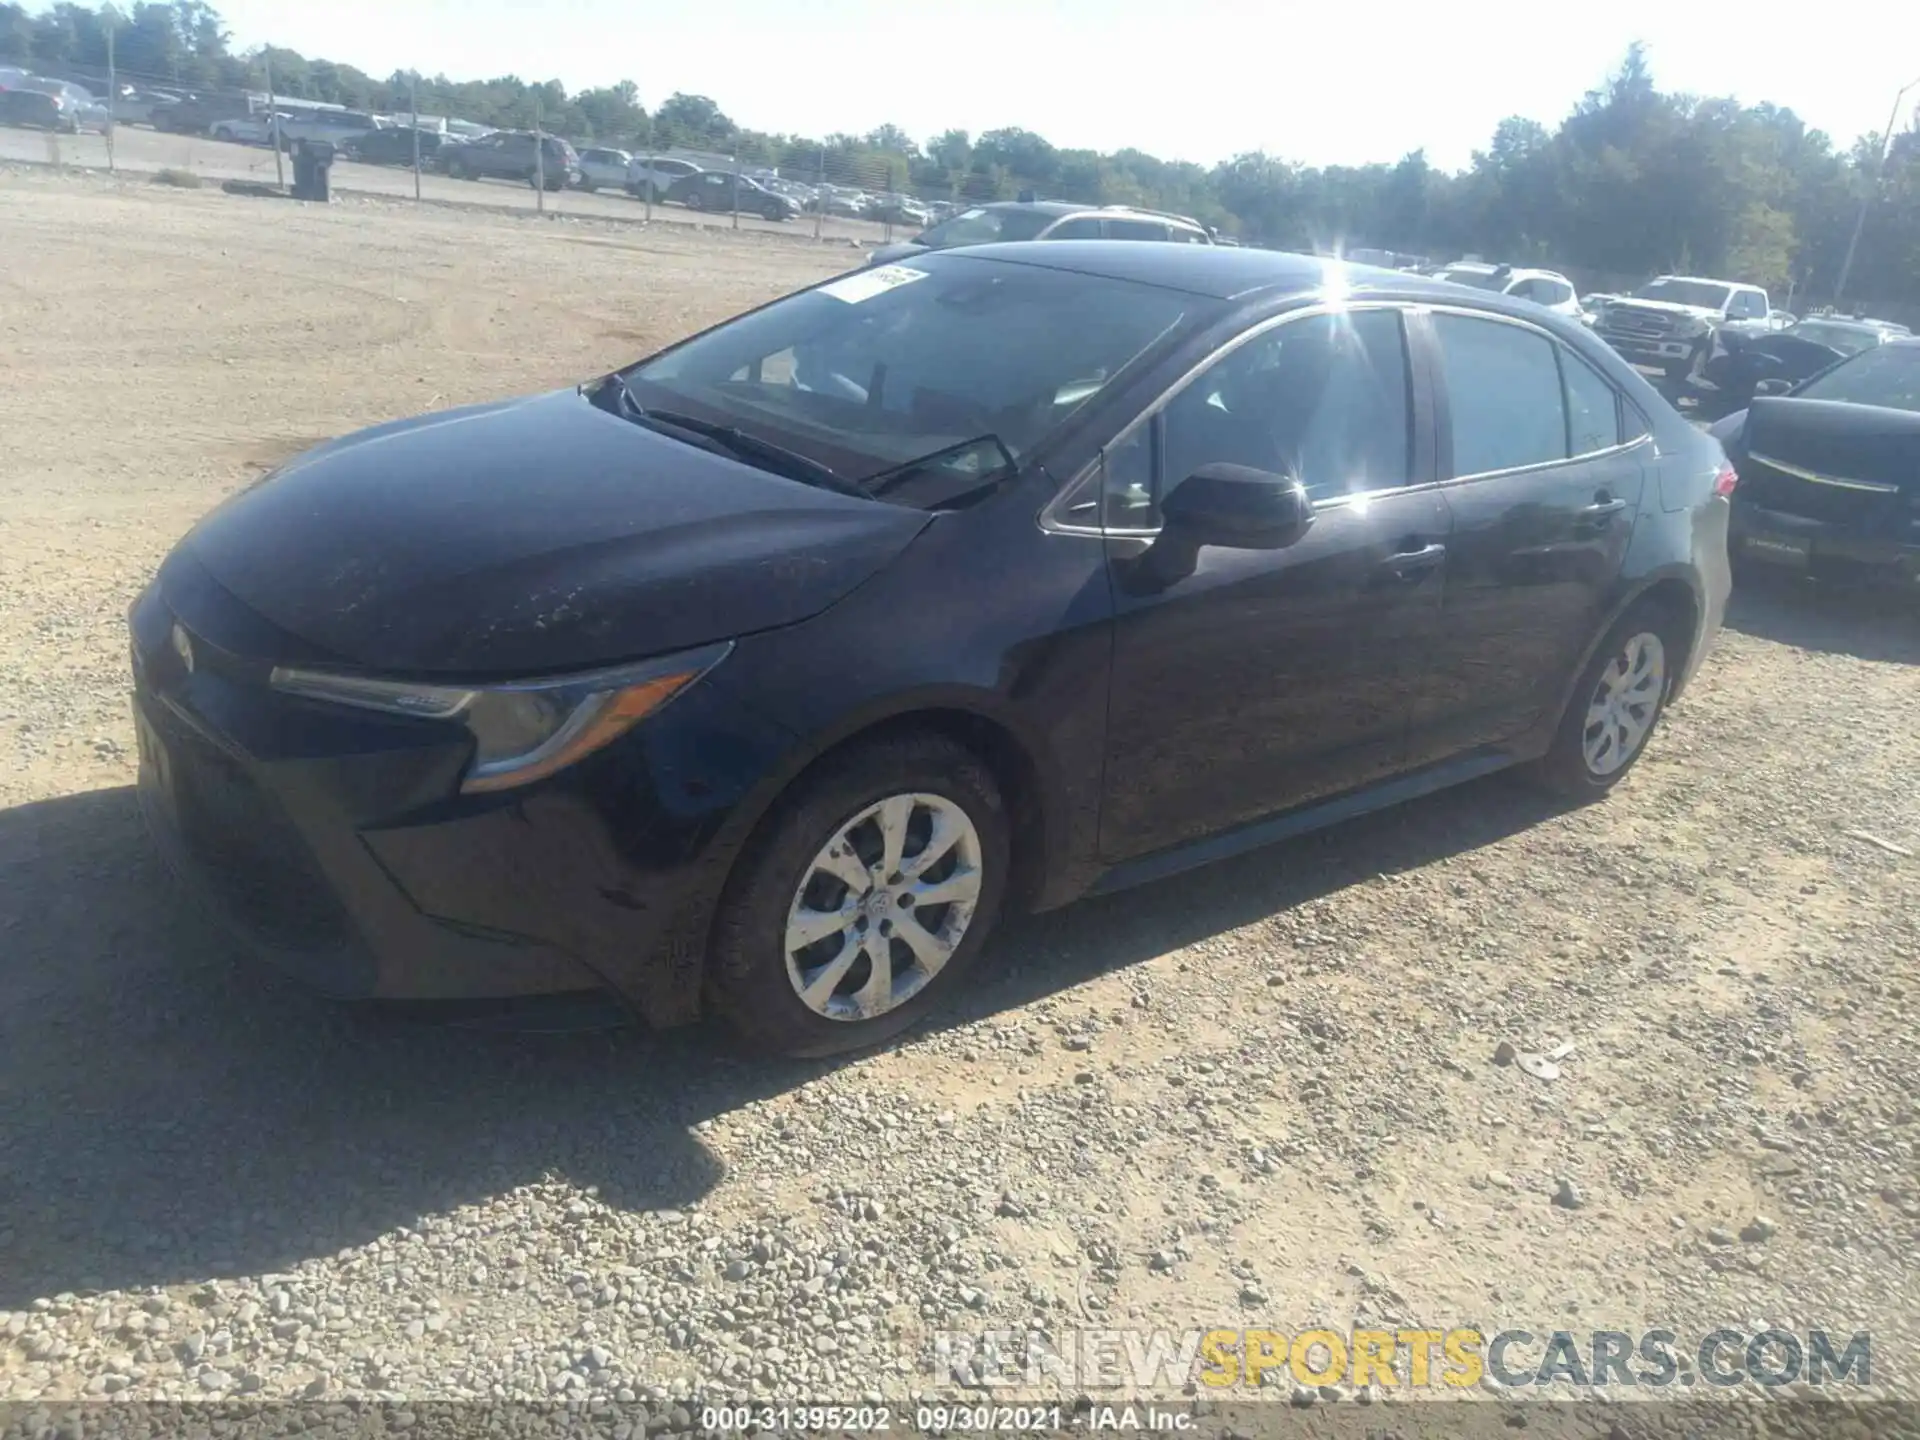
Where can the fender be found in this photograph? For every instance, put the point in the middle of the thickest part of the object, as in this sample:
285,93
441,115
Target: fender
1630,595
1062,822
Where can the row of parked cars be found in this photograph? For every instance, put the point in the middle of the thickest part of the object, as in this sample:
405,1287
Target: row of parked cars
40,102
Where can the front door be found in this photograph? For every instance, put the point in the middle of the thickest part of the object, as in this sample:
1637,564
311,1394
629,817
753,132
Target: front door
1249,681
1548,477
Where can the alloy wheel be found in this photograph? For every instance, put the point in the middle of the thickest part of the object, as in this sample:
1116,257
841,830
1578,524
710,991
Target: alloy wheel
1625,703
883,906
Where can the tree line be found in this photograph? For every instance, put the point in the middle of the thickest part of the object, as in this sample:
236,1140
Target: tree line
1632,182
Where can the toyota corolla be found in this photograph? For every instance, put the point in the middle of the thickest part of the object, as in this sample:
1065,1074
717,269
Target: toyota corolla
764,675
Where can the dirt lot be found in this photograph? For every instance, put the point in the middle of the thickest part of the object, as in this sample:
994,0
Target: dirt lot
1263,1094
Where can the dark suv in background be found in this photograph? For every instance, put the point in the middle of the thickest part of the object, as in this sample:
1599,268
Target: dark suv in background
510,155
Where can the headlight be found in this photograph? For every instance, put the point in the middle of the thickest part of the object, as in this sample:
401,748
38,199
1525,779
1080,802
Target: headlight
524,730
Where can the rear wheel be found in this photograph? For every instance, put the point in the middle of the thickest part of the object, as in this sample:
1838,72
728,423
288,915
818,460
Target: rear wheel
456,169
1615,706
864,900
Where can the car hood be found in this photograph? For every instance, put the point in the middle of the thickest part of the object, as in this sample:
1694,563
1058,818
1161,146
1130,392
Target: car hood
541,534
1865,444
1665,307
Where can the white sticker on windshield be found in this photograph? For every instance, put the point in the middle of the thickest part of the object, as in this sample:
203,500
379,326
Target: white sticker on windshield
865,284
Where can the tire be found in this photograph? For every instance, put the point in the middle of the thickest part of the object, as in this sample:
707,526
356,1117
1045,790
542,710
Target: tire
1572,767
752,975
456,169
587,186
774,212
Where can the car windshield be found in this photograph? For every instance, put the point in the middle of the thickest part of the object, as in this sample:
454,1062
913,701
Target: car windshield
891,364
1884,375
1478,279
1847,339
1686,292
982,226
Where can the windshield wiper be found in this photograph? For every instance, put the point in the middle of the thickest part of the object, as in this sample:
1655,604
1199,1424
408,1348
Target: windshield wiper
736,442
960,485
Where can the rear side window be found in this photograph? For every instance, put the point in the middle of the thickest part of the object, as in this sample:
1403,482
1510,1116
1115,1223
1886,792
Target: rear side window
1593,410
1503,394
1136,230
1081,227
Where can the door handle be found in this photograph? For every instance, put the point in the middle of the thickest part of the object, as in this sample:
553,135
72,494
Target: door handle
1603,509
1411,564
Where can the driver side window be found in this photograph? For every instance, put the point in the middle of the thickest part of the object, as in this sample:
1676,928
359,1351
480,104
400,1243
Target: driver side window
1324,398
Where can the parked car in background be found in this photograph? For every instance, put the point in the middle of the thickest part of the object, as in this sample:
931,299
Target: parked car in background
512,155
135,106
394,145
335,127
196,114
37,110
248,129
899,210
1546,288
80,109
654,175
843,201
1830,469
603,169
1671,323
725,191
1043,220
1221,603
1743,363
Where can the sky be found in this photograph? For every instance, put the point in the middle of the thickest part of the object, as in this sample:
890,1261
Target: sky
1201,80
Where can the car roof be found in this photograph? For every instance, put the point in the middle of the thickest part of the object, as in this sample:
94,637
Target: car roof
1710,280
1223,272
1038,207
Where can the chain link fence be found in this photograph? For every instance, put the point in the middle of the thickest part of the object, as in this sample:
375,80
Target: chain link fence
194,136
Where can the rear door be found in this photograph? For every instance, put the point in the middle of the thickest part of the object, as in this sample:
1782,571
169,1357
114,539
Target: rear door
1543,495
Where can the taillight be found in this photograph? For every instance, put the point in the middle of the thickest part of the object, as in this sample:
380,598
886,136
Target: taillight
1726,480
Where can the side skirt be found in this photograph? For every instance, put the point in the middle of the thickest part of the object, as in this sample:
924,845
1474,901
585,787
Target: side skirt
1305,820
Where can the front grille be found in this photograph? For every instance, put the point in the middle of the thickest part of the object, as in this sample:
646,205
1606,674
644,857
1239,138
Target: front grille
1881,514
1641,324
245,846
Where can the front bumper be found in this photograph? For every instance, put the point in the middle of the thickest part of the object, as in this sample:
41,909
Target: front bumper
335,845
1642,350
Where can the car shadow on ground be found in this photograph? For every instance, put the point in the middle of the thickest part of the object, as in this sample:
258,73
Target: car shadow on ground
1868,622
169,1113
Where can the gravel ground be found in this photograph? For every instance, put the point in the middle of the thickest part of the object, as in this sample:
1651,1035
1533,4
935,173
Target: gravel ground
1268,1093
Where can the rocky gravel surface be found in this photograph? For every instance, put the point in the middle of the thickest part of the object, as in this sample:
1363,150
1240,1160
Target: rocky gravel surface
1481,1061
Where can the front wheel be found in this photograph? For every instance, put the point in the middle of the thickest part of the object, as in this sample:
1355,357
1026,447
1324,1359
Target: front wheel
864,900
1616,704
456,170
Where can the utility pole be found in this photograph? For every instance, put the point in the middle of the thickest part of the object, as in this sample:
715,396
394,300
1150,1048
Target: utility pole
1873,192
273,123
413,99
647,183
539,159
113,87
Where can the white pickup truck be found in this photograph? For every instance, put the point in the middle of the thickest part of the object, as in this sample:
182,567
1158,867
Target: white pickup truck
1671,322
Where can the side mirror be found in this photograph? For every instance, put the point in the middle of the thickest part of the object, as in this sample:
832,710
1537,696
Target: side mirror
1772,387
1237,508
